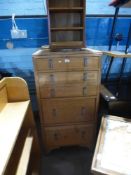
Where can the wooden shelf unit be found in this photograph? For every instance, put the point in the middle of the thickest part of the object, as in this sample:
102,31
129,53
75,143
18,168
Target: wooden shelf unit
75,44
66,23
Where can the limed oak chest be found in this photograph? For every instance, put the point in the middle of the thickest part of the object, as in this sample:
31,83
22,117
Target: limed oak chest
67,86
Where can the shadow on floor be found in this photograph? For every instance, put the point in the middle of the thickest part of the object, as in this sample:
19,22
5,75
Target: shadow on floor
67,161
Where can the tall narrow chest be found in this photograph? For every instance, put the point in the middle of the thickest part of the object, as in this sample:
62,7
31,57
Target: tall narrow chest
67,85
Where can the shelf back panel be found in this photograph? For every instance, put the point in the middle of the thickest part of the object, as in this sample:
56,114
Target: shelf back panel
66,20
66,3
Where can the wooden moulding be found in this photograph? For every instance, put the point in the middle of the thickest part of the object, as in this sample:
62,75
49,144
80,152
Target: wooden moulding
113,130
117,54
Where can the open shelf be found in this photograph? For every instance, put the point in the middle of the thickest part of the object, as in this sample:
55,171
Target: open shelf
67,28
65,3
66,23
72,9
70,20
67,44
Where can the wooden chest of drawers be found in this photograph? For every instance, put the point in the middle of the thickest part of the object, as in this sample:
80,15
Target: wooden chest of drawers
67,86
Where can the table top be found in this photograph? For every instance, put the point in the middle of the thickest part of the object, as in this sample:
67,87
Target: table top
113,150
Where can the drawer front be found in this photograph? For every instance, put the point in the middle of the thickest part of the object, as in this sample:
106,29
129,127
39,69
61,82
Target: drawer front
69,135
68,77
68,90
68,110
67,63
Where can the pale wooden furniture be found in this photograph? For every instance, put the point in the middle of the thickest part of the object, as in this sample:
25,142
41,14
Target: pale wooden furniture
19,149
113,148
66,23
106,94
67,86
117,54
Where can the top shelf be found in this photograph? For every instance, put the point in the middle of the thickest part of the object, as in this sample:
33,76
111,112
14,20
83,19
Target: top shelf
69,9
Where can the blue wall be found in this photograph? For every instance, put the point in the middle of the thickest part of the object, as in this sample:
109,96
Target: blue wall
18,60
97,32
37,7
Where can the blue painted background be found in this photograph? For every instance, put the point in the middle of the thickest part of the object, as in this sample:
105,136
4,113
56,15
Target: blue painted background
97,32
18,60
37,7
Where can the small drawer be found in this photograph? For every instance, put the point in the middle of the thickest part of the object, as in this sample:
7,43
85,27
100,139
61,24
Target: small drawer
68,90
56,111
67,62
69,135
68,77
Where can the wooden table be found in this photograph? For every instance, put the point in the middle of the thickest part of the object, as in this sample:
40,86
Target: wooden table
113,149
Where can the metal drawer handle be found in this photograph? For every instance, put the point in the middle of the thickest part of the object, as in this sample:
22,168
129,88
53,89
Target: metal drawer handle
52,92
84,76
83,133
83,111
76,130
56,137
85,61
54,112
50,63
84,91
52,78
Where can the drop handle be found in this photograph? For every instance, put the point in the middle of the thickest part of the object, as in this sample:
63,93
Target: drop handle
85,61
83,111
50,63
52,92
84,76
84,91
54,112
83,133
56,136
52,78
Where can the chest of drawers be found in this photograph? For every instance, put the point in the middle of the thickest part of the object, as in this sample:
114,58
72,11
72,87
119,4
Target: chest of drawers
67,85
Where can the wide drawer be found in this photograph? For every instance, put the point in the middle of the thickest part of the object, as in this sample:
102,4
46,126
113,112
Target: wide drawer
68,90
69,135
62,63
68,110
68,77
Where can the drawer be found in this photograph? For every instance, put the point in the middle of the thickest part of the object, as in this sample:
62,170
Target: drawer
63,63
68,77
69,135
68,110
68,90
